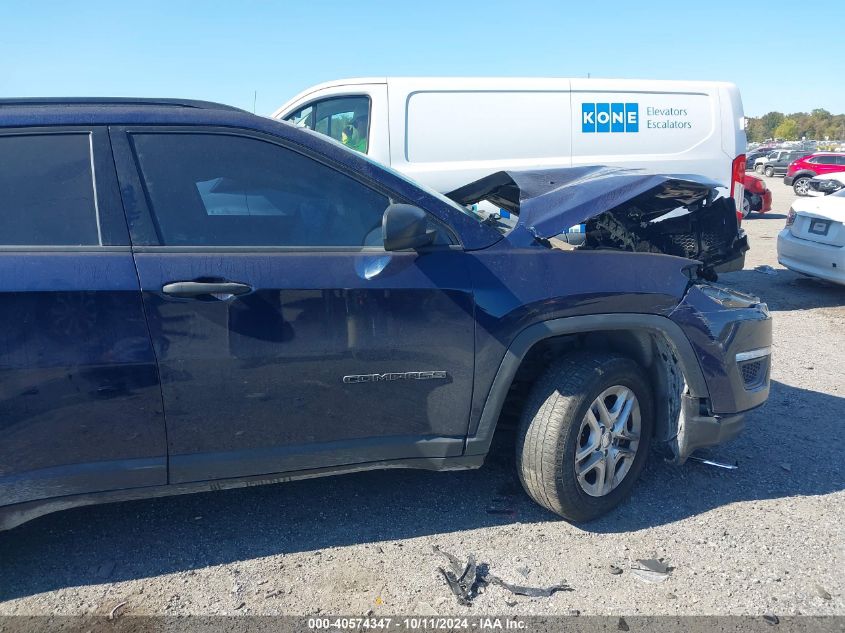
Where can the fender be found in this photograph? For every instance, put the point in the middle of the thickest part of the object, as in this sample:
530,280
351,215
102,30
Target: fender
479,443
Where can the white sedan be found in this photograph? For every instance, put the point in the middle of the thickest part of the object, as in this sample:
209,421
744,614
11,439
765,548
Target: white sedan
813,241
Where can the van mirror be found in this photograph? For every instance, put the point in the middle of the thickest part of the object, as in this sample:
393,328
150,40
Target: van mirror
405,226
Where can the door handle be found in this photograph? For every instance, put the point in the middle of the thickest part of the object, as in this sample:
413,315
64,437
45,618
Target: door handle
197,288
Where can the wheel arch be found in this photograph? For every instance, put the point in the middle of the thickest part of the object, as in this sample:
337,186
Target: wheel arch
655,342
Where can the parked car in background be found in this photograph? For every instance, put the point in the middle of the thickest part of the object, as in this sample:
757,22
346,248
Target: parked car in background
813,240
757,197
774,155
778,166
752,156
193,297
799,173
826,184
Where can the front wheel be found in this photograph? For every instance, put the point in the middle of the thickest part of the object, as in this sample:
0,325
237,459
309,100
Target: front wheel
769,172
801,186
585,434
758,169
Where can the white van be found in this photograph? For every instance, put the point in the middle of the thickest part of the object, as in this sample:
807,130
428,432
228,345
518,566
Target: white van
448,131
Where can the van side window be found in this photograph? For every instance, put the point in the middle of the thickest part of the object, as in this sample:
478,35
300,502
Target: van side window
47,191
345,119
208,189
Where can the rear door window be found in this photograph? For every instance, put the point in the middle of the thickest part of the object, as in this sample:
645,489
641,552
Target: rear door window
47,191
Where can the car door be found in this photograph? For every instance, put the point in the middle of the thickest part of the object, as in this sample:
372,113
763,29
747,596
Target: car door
286,337
80,402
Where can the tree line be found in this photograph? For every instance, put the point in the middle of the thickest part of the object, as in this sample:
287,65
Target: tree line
818,125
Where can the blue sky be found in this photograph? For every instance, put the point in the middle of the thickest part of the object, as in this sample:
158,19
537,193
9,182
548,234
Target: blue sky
225,51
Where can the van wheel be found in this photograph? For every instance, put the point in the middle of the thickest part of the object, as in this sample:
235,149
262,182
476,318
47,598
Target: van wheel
769,172
585,434
746,206
801,186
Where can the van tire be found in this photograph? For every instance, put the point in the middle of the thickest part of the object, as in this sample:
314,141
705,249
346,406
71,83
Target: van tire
552,430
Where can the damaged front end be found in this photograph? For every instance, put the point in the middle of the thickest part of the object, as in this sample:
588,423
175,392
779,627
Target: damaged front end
617,209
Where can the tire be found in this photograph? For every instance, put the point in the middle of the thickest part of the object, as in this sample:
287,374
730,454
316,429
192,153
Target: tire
769,171
758,169
746,206
553,427
801,186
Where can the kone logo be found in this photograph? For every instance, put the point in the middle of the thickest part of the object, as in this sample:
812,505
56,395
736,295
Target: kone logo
610,117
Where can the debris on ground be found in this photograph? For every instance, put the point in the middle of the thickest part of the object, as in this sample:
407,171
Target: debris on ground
771,618
651,570
117,610
613,569
468,580
766,270
787,467
822,593
621,625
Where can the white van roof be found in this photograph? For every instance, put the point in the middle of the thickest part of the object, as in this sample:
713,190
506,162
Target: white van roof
511,83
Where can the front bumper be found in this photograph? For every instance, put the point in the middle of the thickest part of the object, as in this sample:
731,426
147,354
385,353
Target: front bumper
731,335
697,429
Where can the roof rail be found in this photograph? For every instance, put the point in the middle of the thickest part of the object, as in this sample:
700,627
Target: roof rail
117,101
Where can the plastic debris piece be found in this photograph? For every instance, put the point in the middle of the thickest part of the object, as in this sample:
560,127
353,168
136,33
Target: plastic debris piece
117,610
787,467
766,270
531,592
822,592
621,625
771,618
468,580
651,570
613,569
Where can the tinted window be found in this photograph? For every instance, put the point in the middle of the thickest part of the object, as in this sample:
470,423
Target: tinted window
345,119
221,190
840,160
47,191
823,160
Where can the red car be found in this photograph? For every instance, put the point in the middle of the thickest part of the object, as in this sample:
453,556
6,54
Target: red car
800,171
757,196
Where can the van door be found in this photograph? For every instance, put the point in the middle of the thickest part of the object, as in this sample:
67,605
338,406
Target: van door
660,126
448,132
332,111
80,401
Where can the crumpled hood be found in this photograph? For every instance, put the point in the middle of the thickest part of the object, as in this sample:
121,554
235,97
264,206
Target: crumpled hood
624,209
550,201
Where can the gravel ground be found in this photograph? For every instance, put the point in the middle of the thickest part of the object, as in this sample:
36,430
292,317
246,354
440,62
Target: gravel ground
765,538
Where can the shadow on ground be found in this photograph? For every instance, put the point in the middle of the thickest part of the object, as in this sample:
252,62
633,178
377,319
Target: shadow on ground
140,539
784,290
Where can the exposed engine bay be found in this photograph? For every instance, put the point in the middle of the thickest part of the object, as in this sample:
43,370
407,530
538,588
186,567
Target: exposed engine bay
616,209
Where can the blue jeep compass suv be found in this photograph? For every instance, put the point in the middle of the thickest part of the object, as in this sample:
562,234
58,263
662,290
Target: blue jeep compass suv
194,297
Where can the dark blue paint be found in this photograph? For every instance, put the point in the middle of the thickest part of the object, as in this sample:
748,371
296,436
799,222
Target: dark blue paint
264,371
252,385
80,405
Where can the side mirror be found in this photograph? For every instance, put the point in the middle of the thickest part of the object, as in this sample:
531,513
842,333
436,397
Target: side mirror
405,226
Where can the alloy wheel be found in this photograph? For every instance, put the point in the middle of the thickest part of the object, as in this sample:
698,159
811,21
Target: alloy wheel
608,440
